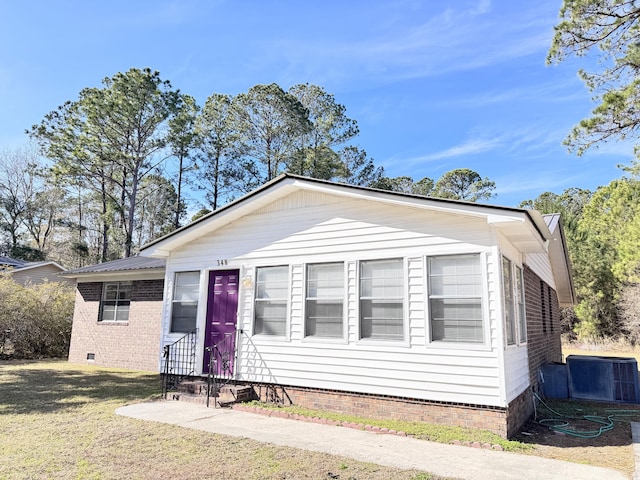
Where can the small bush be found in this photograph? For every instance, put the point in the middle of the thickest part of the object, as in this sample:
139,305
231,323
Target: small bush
35,320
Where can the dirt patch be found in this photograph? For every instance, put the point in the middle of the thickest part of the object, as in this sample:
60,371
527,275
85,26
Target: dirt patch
611,449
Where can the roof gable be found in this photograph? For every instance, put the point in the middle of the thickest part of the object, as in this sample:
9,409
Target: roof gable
559,258
524,228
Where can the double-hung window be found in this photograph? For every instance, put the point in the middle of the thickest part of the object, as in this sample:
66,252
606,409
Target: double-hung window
272,291
184,307
455,298
515,321
509,306
522,320
324,312
382,299
116,298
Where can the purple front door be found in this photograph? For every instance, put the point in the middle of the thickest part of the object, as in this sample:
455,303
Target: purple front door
222,308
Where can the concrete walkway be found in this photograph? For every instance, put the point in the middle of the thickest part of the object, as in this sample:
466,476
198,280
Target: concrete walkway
391,450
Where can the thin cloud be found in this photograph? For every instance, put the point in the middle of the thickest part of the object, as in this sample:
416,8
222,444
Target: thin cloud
449,41
483,6
550,92
535,184
470,147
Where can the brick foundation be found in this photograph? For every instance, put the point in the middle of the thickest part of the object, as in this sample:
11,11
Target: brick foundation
134,344
493,419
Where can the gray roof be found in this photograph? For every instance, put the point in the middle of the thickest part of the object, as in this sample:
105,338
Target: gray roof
12,262
122,265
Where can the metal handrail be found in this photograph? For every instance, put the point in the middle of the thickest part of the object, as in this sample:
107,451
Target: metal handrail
221,362
179,361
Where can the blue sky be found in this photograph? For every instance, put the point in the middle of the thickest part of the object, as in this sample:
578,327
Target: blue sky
433,85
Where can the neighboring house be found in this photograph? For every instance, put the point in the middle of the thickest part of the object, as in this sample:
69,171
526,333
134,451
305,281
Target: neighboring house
24,272
357,300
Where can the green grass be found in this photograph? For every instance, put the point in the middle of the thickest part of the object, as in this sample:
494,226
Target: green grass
421,430
57,421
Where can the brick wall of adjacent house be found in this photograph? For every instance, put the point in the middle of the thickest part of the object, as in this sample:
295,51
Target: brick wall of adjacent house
379,406
543,324
543,343
133,344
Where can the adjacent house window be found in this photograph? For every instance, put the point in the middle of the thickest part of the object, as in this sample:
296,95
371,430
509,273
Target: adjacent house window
324,312
382,299
455,299
550,308
509,306
522,320
272,290
116,297
543,308
184,307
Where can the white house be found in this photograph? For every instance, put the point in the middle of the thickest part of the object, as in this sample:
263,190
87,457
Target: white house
366,301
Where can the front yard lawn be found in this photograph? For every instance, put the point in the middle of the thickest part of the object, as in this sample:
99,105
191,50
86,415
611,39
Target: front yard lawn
57,421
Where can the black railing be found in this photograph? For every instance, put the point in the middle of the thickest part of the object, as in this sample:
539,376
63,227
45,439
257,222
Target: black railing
222,359
179,361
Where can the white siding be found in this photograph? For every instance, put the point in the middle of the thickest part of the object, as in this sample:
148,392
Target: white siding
541,266
516,371
304,228
516,361
416,302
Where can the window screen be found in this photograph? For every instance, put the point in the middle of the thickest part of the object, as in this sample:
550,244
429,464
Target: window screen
382,299
455,298
272,289
184,308
324,313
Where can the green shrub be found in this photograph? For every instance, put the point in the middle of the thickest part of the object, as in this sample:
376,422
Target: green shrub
35,320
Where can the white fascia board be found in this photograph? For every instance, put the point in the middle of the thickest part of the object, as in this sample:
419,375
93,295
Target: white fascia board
119,276
155,251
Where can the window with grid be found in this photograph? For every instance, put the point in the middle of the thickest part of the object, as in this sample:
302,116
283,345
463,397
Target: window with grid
382,299
509,306
455,298
116,298
522,319
272,290
324,312
184,306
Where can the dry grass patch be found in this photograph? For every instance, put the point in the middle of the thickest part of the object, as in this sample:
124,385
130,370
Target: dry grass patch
57,421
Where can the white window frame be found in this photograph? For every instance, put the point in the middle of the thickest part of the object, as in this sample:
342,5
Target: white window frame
174,301
327,299
509,302
116,302
484,322
517,304
257,300
521,310
390,299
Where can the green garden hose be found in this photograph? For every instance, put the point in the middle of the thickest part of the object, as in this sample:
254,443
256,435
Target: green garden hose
562,425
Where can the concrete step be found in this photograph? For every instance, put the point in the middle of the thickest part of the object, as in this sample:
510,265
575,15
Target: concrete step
195,390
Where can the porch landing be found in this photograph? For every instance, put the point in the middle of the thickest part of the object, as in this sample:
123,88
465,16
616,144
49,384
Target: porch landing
194,390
